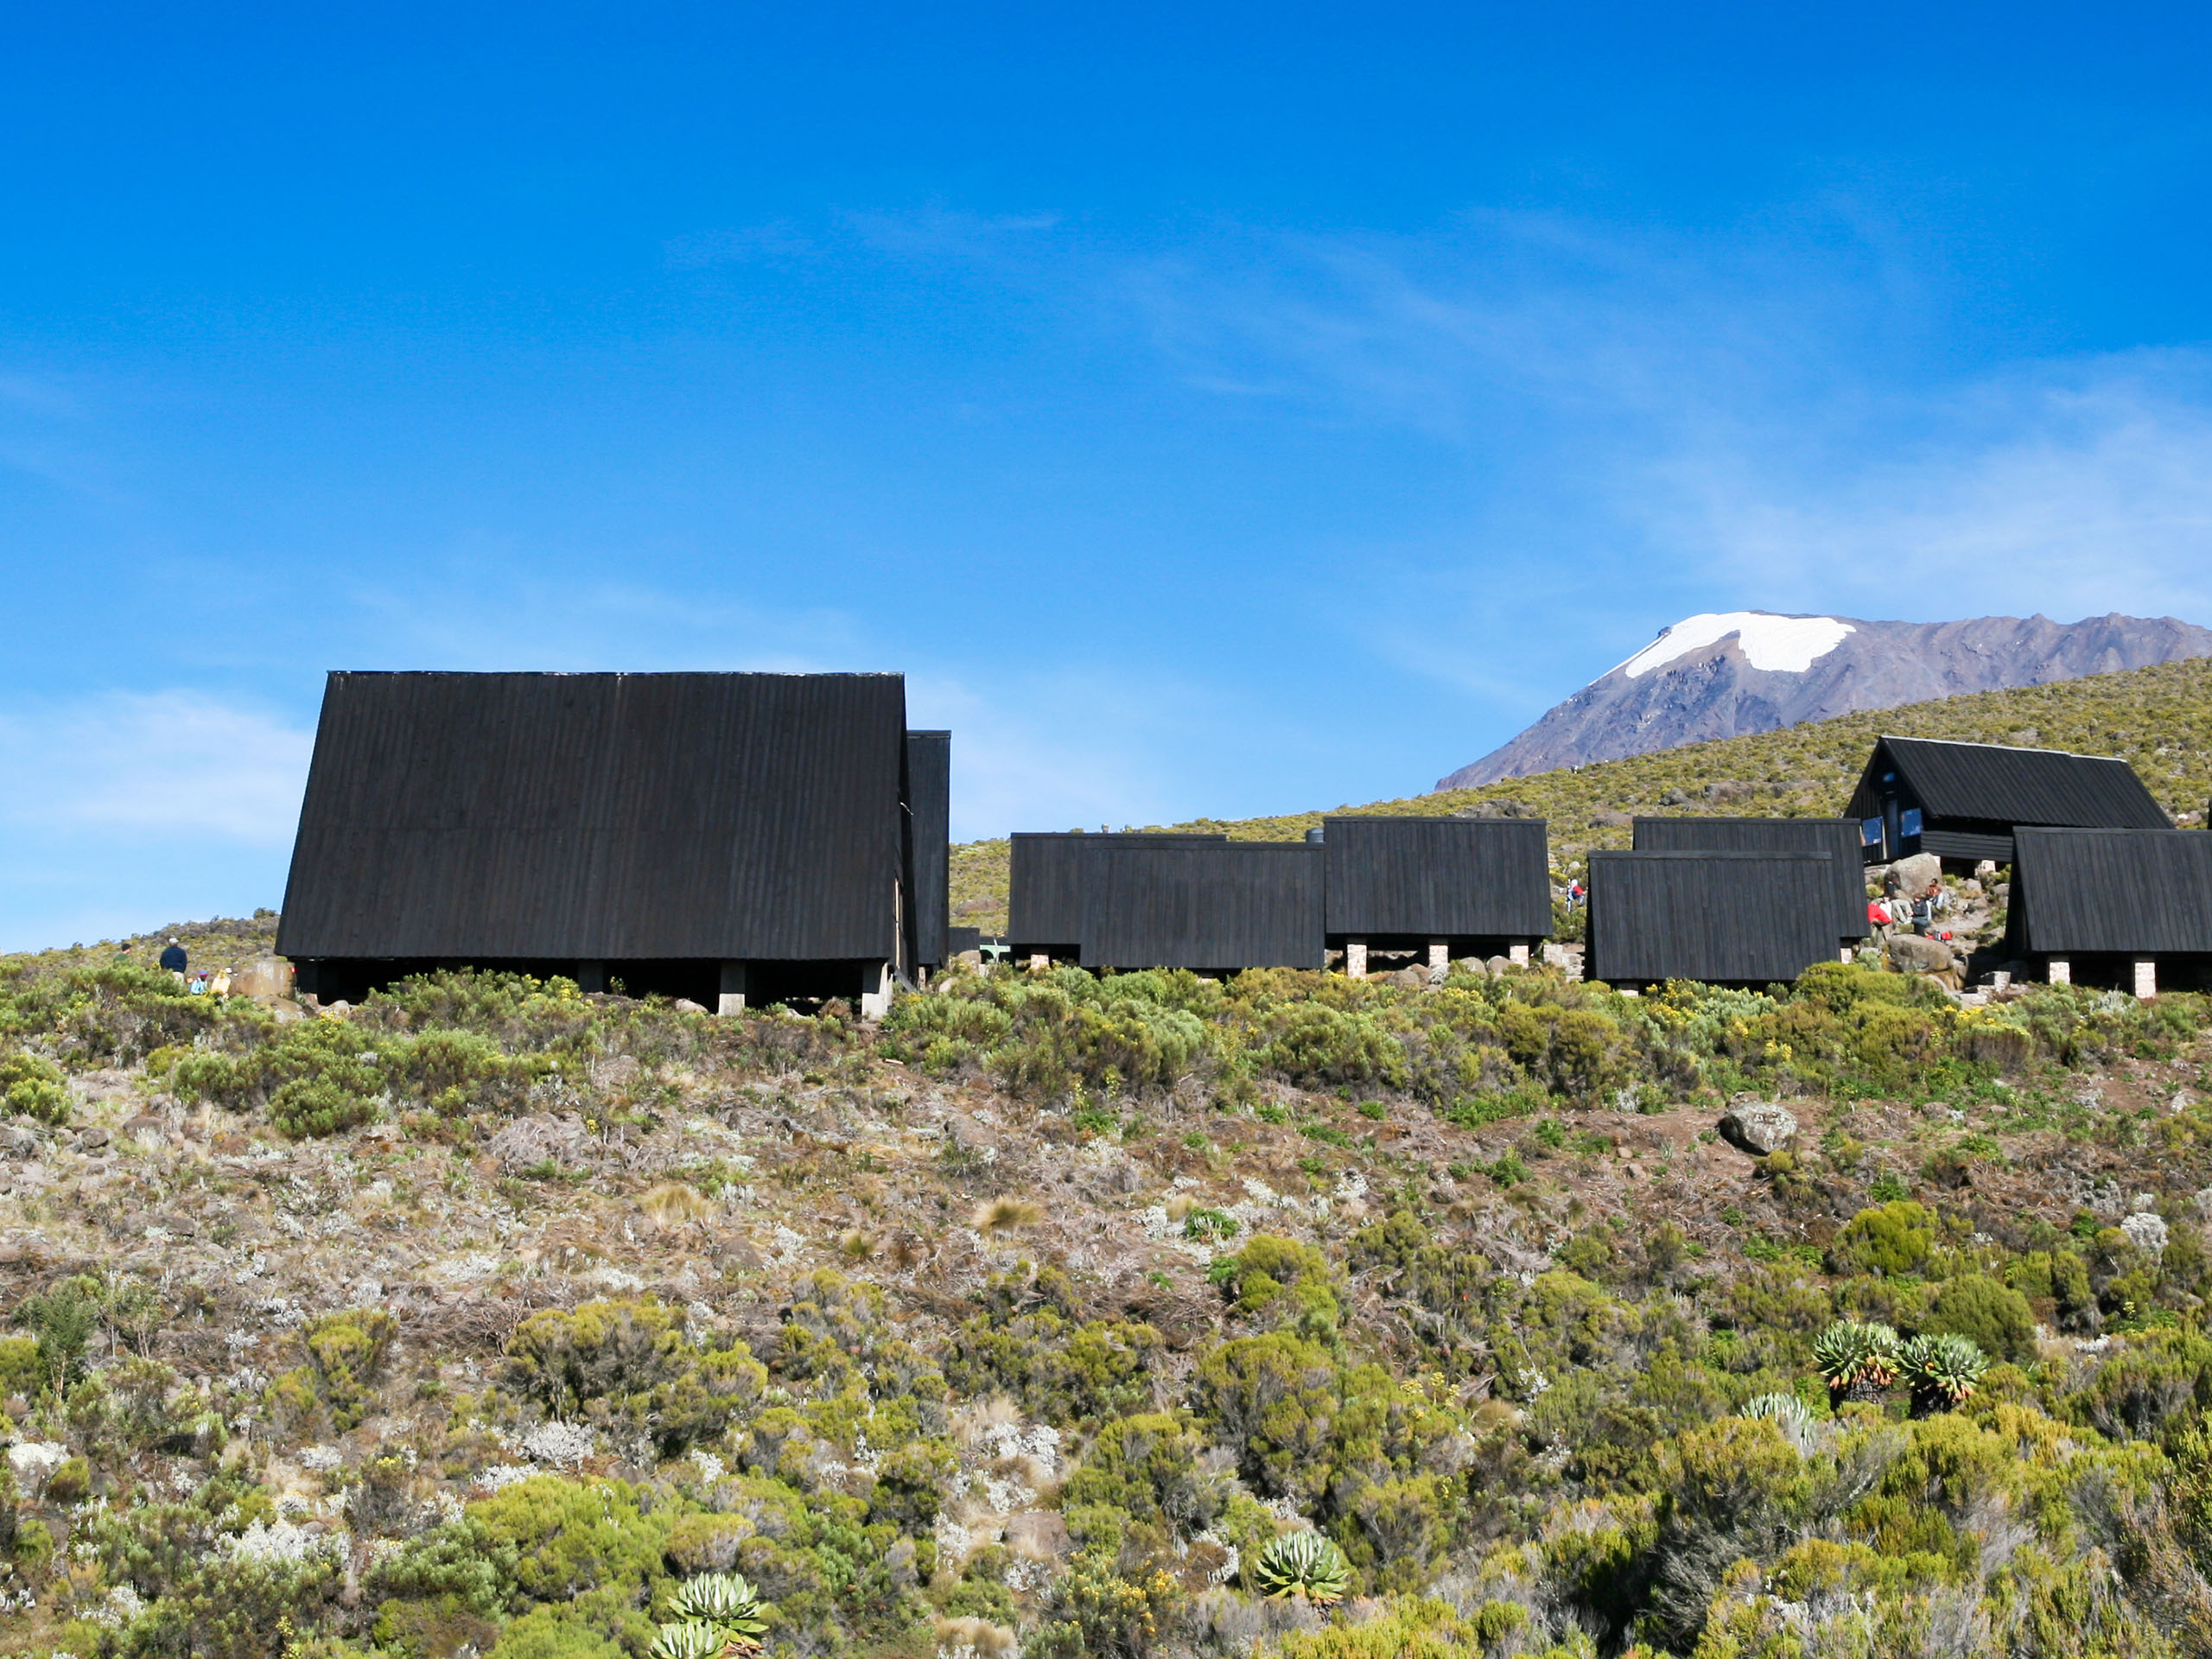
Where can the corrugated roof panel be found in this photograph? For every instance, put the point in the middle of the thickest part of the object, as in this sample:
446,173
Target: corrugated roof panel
1838,837
1992,783
1752,917
1439,878
1221,905
2133,892
601,816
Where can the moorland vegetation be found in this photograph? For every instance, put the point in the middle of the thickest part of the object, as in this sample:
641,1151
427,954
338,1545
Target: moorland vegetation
1135,1315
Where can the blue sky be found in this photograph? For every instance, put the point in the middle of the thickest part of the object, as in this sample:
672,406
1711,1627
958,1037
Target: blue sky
1212,410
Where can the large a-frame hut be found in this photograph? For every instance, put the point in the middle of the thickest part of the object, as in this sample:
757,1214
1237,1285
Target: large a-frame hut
732,838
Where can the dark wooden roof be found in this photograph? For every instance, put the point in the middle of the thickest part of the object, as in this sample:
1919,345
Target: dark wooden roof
1047,881
929,844
1184,902
1990,782
1839,837
600,816
2135,891
1438,877
1745,918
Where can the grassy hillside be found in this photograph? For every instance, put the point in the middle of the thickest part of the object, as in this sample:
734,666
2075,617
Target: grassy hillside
1138,1318
2158,719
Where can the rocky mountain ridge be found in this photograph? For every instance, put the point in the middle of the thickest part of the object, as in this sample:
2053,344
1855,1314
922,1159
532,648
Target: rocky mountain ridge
1729,674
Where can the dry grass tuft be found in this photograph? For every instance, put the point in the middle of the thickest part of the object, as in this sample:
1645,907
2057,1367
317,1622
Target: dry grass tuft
857,1244
673,1203
969,1421
1003,1215
974,1636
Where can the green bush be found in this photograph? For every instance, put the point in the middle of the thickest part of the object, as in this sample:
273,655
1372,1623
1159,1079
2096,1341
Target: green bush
31,1087
1059,1371
1148,1468
1283,1276
226,1609
1309,1043
1997,1321
312,1107
62,1320
1893,1237
1273,1401
624,1364
602,1349
347,1349
456,1071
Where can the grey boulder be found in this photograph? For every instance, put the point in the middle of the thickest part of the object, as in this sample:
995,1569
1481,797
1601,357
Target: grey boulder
1914,876
1759,1127
1914,955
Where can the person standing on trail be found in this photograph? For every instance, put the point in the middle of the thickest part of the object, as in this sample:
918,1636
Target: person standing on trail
174,960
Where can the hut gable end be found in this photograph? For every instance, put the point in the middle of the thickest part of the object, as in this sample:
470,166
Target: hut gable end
1838,837
1218,905
2140,892
1755,917
1431,878
601,816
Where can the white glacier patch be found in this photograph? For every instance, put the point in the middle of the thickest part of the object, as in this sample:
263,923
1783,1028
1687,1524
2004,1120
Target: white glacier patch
1785,643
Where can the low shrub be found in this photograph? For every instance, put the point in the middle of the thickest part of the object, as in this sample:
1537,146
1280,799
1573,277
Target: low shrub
31,1087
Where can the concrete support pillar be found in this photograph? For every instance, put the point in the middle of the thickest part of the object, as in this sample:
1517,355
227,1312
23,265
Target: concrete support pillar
875,991
591,975
1517,953
2060,971
1039,962
2147,979
1846,955
1439,958
1355,959
732,1000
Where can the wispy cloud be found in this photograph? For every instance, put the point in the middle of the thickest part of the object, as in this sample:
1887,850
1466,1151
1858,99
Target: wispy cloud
1647,423
937,233
2073,488
49,430
170,767
775,242
489,620
1075,745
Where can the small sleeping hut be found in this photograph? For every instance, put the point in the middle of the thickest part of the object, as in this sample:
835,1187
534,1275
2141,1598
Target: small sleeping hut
1448,886
1049,879
1963,801
1211,905
1726,917
2127,909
